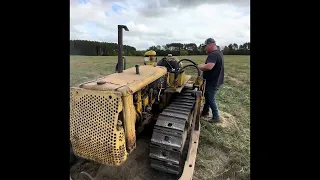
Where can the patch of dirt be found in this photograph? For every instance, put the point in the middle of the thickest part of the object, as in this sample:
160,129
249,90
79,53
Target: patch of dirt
226,120
83,166
137,167
235,80
212,165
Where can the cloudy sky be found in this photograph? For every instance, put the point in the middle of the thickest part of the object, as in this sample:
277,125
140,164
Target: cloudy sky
157,22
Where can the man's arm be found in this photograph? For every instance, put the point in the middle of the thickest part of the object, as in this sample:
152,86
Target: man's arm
211,61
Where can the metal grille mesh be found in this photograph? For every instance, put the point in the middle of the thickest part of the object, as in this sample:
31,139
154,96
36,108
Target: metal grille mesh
93,126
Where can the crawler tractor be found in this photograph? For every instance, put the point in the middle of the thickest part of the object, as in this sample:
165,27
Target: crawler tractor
107,114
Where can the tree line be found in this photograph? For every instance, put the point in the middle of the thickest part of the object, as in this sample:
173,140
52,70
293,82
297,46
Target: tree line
94,48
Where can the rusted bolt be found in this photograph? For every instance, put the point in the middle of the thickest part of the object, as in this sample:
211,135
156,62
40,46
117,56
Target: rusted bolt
137,69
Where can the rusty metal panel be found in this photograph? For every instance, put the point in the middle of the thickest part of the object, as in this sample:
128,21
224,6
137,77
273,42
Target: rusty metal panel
93,126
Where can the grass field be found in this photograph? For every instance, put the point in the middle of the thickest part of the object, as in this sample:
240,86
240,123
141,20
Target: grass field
224,149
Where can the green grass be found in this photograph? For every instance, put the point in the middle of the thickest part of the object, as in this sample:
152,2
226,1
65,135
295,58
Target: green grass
224,150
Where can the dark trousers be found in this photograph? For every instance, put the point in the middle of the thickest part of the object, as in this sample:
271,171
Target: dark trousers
210,96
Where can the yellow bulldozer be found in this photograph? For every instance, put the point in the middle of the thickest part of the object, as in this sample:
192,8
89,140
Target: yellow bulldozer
107,114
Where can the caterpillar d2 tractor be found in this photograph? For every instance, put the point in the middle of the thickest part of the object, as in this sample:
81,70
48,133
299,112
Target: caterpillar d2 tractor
107,114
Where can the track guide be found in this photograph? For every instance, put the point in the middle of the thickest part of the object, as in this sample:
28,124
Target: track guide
170,133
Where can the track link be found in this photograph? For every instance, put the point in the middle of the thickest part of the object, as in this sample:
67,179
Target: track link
170,134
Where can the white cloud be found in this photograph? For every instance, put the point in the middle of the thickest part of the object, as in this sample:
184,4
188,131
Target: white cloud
155,22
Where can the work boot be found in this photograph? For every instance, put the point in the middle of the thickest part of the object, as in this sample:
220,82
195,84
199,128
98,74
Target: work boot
215,120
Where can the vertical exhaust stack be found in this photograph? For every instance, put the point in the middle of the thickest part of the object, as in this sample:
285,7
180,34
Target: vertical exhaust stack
120,46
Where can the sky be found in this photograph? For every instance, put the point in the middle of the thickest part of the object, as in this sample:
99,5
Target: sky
158,22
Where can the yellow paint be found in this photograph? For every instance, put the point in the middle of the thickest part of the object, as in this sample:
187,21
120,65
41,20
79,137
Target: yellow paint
151,62
146,101
139,103
129,122
181,79
178,89
171,79
122,86
93,121
150,53
150,58
127,82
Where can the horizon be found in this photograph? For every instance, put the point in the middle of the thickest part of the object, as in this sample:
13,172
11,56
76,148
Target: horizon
221,47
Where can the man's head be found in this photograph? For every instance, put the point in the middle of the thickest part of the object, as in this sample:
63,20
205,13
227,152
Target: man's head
210,45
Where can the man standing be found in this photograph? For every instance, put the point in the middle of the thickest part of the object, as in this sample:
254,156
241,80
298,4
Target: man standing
213,73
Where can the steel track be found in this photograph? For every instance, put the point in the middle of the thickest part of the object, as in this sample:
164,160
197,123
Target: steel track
167,147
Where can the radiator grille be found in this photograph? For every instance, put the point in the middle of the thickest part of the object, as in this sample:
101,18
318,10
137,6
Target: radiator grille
93,126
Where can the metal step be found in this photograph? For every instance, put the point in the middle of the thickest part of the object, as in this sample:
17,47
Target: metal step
164,155
181,116
171,124
166,141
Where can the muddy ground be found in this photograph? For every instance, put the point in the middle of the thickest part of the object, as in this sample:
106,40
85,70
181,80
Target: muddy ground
137,166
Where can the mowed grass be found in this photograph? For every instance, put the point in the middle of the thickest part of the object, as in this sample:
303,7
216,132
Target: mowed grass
224,149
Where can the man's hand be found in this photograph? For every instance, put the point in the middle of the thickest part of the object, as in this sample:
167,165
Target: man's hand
206,67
